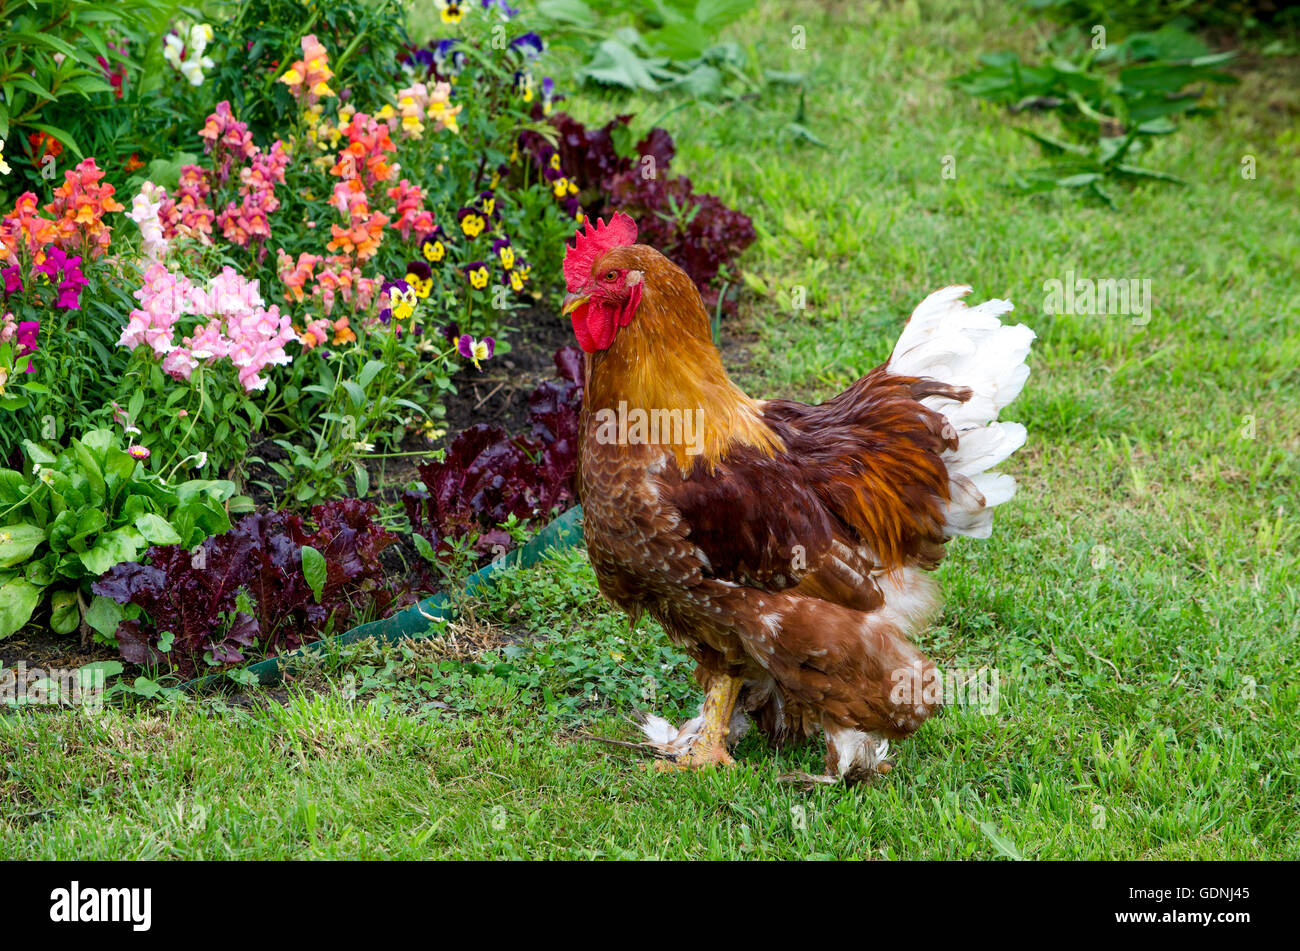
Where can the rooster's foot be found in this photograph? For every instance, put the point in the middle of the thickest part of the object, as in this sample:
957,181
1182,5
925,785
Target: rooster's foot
685,747
701,741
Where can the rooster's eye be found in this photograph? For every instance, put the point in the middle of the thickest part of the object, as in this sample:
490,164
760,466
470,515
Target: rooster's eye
611,276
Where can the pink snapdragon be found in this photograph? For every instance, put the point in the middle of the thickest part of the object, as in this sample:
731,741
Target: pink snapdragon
145,209
226,139
188,214
163,300
248,221
239,327
409,214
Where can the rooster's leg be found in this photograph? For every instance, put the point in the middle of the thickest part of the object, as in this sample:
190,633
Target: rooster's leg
714,724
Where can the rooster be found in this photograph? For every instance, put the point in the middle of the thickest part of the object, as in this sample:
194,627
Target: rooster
783,546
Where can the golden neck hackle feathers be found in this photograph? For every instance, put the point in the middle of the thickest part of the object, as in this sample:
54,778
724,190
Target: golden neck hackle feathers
665,360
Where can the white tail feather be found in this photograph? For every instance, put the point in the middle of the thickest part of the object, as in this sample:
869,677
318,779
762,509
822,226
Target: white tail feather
970,347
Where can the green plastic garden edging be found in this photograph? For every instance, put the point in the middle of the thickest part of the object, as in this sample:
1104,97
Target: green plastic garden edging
564,532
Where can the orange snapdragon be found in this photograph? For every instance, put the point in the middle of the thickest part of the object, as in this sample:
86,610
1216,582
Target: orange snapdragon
79,205
308,78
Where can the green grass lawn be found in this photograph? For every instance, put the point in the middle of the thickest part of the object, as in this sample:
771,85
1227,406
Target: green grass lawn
1140,597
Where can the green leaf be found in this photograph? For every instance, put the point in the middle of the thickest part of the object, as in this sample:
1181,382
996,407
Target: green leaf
1004,845
362,478
801,133
38,453
99,441
567,11
18,542
146,688
61,135
65,614
112,548
370,371
91,676
423,546
356,394
18,599
1078,181
119,467
314,570
616,65
156,529
104,615
90,466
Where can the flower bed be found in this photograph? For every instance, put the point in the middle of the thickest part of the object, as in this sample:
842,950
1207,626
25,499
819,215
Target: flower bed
279,349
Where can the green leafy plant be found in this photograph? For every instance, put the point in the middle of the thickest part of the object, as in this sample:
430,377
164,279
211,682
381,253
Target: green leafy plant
55,51
664,45
71,516
1110,104
262,37
352,409
1149,14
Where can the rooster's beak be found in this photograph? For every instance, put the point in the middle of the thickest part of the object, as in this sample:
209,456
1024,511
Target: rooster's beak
572,302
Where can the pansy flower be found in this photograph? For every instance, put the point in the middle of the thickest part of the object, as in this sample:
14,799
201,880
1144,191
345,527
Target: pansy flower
524,85
477,274
451,11
401,301
420,277
4,166
475,350
448,60
517,276
530,45
548,95
487,202
472,222
432,246
502,248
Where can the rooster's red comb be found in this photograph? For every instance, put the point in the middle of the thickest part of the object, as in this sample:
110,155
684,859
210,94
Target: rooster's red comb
590,244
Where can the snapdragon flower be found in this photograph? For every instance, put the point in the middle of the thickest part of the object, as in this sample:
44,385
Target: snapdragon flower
183,50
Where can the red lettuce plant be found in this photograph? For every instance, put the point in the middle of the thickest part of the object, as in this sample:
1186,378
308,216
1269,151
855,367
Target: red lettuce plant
696,231
250,587
487,476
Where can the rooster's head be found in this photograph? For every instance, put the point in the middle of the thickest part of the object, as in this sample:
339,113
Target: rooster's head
604,283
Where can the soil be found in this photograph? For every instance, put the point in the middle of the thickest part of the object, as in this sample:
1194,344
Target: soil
37,645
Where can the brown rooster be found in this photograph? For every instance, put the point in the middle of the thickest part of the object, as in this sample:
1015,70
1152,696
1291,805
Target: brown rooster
783,546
